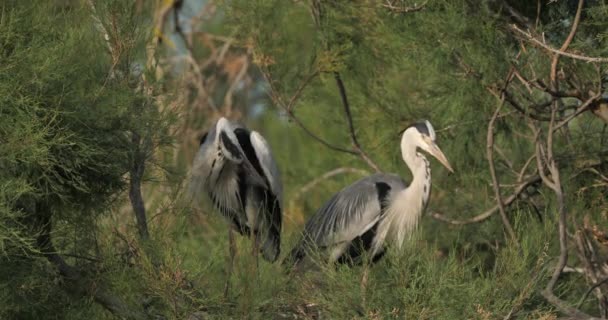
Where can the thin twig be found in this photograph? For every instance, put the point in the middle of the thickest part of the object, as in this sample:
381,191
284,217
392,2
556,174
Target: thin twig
300,89
306,188
279,102
531,38
557,188
138,166
525,166
593,287
351,127
573,313
588,104
396,9
76,283
486,214
495,182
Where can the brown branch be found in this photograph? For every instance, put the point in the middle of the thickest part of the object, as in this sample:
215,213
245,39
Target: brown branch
563,306
588,104
235,82
557,188
511,100
136,173
532,39
588,292
198,71
276,98
306,188
351,127
486,214
520,176
495,182
75,282
396,9
300,89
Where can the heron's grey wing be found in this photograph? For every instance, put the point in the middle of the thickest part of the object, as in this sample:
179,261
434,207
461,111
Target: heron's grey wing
268,164
200,165
347,215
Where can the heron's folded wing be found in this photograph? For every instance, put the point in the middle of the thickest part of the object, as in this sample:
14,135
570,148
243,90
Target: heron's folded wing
347,215
267,163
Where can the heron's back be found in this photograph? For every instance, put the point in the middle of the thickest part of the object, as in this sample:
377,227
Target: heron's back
349,214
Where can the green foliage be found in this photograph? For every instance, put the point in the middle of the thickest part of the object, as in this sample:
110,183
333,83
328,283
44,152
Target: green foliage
69,109
65,148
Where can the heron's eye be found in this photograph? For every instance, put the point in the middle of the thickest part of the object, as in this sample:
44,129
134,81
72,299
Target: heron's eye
204,137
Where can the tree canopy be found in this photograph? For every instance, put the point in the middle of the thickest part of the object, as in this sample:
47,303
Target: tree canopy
102,105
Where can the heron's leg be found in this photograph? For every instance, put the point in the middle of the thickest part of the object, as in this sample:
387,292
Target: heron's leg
364,279
232,254
255,250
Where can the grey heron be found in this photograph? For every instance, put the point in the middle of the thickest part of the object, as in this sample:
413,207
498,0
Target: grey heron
236,169
375,210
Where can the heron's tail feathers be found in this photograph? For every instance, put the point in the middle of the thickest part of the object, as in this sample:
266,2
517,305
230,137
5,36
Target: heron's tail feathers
271,248
271,228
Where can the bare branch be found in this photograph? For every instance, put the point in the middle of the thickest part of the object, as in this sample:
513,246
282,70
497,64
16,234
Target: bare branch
240,75
74,280
486,214
351,127
532,39
565,307
397,9
307,187
495,182
138,166
198,71
279,102
555,184
588,104
300,89
593,287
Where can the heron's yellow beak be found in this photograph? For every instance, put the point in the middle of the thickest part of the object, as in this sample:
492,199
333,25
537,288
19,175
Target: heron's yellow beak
438,154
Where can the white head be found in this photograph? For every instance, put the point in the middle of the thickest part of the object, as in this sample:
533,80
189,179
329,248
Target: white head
221,136
421,135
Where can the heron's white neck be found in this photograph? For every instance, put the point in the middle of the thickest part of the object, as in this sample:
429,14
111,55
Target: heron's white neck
421,174
406,206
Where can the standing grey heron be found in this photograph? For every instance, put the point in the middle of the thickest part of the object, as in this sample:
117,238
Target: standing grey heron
376,209
235,168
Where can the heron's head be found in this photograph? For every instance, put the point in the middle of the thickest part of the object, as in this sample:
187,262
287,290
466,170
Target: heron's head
421,135
221,135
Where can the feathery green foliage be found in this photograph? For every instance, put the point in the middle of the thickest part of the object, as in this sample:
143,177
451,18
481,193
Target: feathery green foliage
71,102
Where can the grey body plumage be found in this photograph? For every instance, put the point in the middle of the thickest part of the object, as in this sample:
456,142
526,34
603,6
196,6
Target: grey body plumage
374,210
235,168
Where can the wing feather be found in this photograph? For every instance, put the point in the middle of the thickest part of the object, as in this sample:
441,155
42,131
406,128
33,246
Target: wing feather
348,214
268,164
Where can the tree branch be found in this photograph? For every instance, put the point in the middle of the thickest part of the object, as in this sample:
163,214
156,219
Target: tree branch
557,188
588,104
396,9
532,39
351,127
276,98
75,282
304,189
495,182
136,173
486,214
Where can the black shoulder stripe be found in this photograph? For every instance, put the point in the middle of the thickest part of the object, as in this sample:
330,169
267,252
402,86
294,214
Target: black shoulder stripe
359,246
243,135
242,184
234,151
383,189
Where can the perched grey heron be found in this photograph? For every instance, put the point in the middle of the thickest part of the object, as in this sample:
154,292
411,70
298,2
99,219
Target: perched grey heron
375,210
235,168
